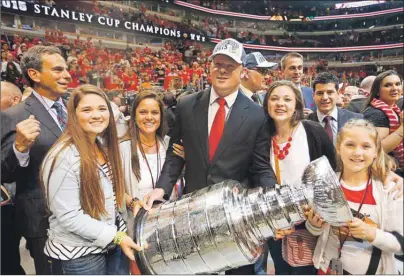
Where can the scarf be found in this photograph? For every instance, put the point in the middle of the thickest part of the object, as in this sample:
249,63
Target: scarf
394,123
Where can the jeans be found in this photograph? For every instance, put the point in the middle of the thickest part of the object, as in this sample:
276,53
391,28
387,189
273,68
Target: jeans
260,266
112,263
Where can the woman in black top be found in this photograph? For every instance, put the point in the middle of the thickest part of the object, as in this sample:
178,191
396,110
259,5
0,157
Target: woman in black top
383,112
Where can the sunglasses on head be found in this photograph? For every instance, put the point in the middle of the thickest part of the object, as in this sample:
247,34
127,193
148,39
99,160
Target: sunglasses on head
262,71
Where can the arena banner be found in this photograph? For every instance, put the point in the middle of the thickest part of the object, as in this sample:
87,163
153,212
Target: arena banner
282,18
54,13
323,49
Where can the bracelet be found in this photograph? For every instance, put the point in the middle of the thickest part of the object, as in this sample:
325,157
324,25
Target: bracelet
119,237
132,202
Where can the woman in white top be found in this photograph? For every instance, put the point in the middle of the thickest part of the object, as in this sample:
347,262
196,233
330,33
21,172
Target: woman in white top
367,244
143,151
295,143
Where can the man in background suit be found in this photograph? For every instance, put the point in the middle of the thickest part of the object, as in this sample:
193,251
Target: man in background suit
225,135
29,129
358,102
292,68
10,238
256,67
332,118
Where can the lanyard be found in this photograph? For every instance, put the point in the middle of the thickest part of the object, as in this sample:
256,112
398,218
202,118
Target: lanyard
148,165
277,169
341,242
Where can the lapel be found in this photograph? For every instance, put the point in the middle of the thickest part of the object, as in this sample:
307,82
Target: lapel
313,116
236,119
341,118
36,108
201,108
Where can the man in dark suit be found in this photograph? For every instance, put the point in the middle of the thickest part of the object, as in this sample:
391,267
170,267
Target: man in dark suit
358,102
332,118
292,68
225,135
29,129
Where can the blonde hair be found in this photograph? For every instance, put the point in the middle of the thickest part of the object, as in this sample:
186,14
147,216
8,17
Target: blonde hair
382,164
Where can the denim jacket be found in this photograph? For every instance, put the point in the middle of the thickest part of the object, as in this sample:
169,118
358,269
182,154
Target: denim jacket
68,223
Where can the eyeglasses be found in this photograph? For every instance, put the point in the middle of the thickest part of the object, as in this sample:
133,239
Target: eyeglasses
262,71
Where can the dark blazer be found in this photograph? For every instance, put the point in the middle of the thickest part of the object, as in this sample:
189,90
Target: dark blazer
31,216
307,93
343,117
357,105
242,154
319,142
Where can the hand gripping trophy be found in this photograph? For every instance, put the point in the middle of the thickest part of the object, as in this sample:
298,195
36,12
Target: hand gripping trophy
224,226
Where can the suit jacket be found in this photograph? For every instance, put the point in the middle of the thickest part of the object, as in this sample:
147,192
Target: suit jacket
242,154
31,215
357,105
307,93
343,117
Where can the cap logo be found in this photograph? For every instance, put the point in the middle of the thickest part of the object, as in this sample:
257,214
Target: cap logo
260,58
229,45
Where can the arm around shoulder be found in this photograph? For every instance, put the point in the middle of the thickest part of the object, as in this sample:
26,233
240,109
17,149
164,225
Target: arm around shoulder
260,168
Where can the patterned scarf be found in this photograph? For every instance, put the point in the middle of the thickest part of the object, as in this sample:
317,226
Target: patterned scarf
394,123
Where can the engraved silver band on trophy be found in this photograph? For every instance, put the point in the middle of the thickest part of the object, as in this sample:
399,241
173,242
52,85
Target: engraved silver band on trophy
224,226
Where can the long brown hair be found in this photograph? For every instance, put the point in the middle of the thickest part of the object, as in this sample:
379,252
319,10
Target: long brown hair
377,83
133,131
382,164
91,194
297,116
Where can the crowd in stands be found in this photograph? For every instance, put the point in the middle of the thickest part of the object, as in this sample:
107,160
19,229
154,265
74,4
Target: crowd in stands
350,38
180,65
270,8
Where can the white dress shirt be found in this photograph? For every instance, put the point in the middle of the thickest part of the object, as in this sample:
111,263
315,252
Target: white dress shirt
23,157
214,106
334,122
247,91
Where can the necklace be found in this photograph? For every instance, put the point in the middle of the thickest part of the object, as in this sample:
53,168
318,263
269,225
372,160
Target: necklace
281,153
148,145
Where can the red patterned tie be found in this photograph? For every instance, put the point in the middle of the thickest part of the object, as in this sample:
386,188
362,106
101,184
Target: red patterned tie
327,120
217,128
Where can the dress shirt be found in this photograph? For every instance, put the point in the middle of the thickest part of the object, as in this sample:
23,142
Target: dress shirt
23,157
334,122
214,106
246,91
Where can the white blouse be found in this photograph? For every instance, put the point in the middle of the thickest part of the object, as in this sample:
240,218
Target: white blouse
292,167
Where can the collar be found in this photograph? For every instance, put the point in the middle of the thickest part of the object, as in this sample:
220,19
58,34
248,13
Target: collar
48,103
230,99
334,115
246,91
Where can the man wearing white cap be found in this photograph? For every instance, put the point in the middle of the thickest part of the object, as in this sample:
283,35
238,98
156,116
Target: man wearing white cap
256,67
225,135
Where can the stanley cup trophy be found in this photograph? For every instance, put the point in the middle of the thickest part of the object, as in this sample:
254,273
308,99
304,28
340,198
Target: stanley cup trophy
224,226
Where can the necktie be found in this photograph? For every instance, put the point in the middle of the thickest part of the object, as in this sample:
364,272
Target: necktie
327,120
254,97
61,115
217,128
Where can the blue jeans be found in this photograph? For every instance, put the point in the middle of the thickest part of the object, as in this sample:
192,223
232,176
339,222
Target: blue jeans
260,266
111,263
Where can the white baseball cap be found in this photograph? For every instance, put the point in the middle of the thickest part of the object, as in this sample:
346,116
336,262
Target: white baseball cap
231,48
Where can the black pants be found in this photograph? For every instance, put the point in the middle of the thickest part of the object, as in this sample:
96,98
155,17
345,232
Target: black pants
10,243
36,247
244,270
282,267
